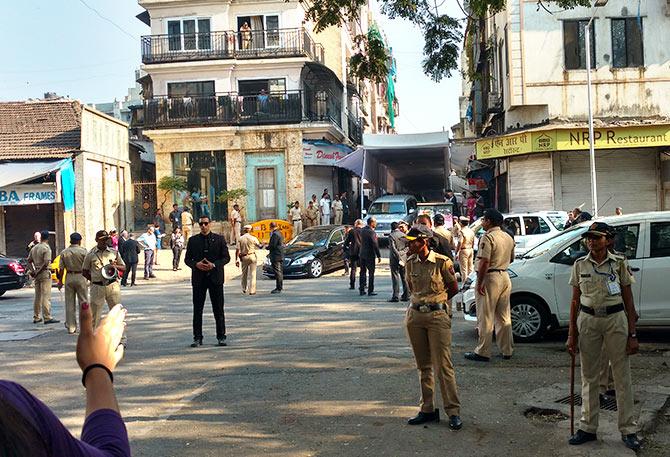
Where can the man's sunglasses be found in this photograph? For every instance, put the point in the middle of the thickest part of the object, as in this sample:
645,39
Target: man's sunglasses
203,223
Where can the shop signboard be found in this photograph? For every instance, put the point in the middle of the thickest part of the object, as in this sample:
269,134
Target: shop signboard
323,154
28,194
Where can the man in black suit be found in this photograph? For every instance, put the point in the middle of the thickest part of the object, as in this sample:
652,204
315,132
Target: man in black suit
276,248
128,250
206,254
352,246
369,250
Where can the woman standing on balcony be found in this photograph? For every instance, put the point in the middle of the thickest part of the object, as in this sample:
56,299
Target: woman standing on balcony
245,36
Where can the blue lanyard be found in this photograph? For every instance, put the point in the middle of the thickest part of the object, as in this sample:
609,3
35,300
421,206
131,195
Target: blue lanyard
611,274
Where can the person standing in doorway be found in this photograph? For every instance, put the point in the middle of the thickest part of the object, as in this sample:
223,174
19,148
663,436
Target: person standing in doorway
186,223
324,205
235,220
369,250
398,259
276,248
129,251
148,242
246,255
496,252
177,245
70,267
352,245
175,217
102,290
206,255
338,210
295,215
39,260
245,36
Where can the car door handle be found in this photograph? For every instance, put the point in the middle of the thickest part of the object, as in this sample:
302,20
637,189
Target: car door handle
634,269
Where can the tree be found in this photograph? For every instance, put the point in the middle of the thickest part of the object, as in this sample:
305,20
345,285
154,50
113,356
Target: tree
169,184
231,195
443,34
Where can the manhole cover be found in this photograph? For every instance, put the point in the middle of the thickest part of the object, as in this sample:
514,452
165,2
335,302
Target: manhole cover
544,414
607,402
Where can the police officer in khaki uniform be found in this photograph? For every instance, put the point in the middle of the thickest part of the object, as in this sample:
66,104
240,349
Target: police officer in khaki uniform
602,313
70,267
431,280
39,259
311,215
102,290
246,254
496,252
466,249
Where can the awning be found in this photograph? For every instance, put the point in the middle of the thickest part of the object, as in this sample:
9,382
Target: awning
354,162
19,172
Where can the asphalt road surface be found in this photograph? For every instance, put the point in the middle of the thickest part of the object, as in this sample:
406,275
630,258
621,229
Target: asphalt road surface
315,371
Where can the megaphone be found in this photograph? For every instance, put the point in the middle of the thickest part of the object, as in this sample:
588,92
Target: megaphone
110,272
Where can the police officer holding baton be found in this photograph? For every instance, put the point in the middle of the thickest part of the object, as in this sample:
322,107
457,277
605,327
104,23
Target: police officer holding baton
602,315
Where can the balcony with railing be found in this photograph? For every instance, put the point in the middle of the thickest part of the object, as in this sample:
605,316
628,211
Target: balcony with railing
355,129
251,44
234,109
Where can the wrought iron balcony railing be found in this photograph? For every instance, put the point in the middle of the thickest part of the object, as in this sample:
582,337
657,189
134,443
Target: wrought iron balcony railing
231,108
355,129
230,45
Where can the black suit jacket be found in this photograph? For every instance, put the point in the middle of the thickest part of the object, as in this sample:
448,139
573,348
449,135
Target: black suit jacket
128,251
211,247
276,246
352,243
369,244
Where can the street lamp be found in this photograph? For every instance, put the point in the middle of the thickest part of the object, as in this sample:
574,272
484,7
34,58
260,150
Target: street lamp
592,153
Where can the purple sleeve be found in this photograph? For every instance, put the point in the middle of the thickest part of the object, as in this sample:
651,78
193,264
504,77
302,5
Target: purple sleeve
104,430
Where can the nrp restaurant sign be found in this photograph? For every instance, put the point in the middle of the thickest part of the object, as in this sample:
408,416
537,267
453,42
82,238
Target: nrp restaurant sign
647,136
28,194
323,154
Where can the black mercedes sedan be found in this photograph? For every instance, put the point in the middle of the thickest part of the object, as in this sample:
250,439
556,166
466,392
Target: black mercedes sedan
13,273
315,251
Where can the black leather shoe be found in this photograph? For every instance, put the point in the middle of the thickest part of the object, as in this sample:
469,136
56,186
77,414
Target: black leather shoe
506,357
222,342
196,342
372,294
476,357
582,437
275,291
51,321
631,441
362,292
352,288
423,418
394,300
404,298
455,422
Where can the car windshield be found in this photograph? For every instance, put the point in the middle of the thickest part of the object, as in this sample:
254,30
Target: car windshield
558,220
552,242
310,238
387,208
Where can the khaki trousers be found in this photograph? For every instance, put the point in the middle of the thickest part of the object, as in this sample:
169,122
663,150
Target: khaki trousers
493,311
466,259
249,273
235,232
430,337
610,332
297,227
186,230
42,302
101,294
338,217
76,286
606,379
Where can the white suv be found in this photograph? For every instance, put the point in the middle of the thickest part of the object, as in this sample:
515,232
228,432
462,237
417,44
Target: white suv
540,291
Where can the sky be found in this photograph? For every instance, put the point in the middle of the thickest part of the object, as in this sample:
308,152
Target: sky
72,50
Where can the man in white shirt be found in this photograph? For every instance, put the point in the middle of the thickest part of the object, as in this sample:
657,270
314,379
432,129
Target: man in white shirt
148,242
324,204
295,215
235,224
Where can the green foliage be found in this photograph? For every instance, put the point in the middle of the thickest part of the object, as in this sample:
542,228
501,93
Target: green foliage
442,33
231,195
169,184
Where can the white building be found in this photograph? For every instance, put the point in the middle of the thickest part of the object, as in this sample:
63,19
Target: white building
530,104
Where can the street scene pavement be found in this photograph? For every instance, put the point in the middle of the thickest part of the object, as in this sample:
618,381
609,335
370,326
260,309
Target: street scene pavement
315,371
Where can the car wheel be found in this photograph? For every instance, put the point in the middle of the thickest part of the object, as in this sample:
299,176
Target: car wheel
529,319
315,268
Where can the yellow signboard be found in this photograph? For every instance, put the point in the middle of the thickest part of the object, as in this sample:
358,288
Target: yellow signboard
572,140
261,229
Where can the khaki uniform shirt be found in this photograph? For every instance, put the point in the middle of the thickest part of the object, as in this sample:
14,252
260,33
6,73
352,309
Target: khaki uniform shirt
72,258
235,216
444,232
592,279
312,213
295,213
337,206
186,219
467,238
247,244
498,247
428,280
96,259
40,256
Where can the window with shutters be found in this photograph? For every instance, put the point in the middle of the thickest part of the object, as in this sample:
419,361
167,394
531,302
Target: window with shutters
574,44
627,43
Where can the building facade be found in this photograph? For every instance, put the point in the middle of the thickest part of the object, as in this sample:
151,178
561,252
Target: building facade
527,103
236,92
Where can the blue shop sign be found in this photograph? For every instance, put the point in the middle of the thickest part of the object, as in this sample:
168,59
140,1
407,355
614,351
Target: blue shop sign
28,194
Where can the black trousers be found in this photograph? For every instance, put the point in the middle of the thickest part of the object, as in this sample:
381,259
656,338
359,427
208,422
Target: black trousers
176,256
130,268
353,264
216,297
367,269
278,268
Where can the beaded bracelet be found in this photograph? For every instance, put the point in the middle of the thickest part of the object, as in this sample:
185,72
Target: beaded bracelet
96,365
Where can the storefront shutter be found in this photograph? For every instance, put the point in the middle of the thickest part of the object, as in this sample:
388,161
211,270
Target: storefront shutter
530,180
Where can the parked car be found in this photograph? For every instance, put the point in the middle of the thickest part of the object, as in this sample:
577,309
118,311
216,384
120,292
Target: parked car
392,208
13,273
529,229
541,295
315,251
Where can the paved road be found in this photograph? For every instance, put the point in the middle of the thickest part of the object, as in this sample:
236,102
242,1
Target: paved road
314,371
